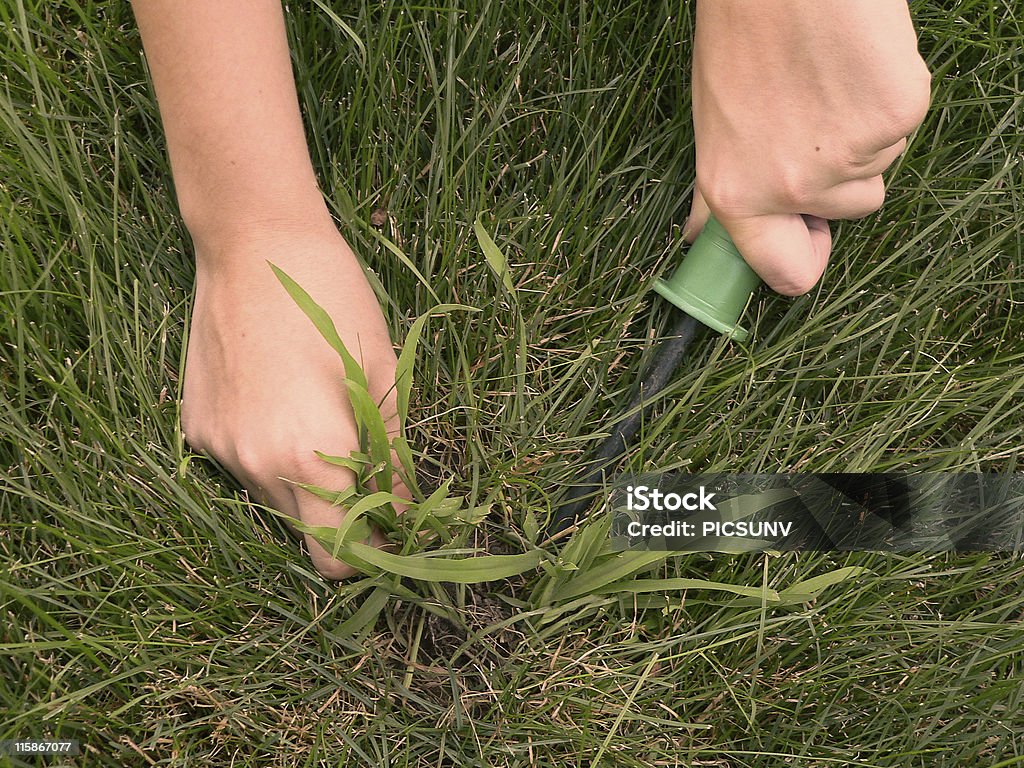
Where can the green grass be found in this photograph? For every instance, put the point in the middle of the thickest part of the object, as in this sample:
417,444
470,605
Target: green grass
147,609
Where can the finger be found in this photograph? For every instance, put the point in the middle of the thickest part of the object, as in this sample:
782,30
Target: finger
788,251
285,501
314,511
699,213
850,200
282,501
877,162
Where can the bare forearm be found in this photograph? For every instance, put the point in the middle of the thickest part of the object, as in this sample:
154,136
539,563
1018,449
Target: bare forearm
227,99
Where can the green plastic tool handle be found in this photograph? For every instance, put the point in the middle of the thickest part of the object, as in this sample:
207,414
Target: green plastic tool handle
713,283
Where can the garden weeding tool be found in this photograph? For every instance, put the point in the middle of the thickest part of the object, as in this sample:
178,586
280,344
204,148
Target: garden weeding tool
711,286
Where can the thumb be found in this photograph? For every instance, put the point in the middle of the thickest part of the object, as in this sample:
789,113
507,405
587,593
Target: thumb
788,251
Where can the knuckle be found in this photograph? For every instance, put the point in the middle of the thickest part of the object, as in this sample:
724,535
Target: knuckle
298,455
292,453
919,96
722,193
793,190
252,457
894,115
908,106
298,461
853,155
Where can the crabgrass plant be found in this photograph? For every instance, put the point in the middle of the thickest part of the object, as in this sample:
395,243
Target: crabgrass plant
586,568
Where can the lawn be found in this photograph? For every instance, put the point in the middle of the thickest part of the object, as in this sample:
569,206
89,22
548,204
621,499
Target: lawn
150,611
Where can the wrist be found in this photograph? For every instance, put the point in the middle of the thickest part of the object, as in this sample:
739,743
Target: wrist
235,265
221,232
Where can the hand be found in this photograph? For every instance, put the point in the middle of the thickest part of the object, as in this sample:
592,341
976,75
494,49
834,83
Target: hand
798,108
263,390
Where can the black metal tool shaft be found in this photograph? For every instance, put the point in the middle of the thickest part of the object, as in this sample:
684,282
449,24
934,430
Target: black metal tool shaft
663,365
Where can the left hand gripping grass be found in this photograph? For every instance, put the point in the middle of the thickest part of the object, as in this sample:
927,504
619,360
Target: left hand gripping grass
427,518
